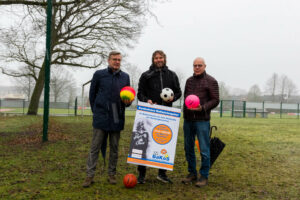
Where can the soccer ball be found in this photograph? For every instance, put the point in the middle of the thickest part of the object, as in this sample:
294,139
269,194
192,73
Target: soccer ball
129,180
167,94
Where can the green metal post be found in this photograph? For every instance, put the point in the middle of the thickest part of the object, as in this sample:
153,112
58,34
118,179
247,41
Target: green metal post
23,106
298,109
47,72
280,110
221,109
75,107
255,112
244,109
232,109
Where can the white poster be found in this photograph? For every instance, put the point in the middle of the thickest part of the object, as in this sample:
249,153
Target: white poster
154,136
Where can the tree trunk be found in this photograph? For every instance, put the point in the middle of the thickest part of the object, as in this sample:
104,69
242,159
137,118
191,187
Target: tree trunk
37,91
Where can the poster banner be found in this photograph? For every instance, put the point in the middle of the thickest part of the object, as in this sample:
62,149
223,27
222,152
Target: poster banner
154,136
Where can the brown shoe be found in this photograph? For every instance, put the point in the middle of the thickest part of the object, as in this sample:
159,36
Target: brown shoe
88,182
112,179
189,178
202,181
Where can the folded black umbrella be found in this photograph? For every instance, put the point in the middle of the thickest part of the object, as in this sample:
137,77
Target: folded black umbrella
216,147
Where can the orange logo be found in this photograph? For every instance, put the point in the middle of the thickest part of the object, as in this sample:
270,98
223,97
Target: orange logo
162,134
163,151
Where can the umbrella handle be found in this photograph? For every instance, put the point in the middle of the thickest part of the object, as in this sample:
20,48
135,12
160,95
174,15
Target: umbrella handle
211,128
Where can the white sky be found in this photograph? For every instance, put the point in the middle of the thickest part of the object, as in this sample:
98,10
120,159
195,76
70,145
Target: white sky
243,41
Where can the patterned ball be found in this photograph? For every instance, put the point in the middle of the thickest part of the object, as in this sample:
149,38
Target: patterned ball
192,101
127,93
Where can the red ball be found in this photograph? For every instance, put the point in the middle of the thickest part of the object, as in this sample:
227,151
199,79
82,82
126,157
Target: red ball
129,180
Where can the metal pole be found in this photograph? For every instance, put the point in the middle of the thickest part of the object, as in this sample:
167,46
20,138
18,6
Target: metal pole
82,96
75,107
298,111
280,110
244,109
232,109
221,109
47,71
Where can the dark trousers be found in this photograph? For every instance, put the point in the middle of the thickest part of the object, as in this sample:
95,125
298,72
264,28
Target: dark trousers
97,142
142,171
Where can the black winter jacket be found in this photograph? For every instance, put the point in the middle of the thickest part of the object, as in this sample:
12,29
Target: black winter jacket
108,109
153,81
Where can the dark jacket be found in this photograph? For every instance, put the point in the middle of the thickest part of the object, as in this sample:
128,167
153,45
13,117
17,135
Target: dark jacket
108,109
153,81
206,88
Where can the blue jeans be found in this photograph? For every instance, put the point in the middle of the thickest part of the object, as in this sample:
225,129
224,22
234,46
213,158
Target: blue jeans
201,129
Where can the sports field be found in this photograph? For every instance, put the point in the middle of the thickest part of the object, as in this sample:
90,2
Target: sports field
260,161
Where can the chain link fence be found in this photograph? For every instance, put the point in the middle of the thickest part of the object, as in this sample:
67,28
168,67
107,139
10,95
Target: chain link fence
226,108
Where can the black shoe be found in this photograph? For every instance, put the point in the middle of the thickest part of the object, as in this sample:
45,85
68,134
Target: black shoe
163,178
141,179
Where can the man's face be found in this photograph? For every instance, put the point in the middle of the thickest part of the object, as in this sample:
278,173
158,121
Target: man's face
199,66
159,60
115,62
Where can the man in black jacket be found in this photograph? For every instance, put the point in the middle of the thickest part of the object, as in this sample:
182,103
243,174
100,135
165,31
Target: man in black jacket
150,86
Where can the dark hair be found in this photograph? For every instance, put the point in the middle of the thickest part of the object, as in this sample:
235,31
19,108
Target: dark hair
112,53
160,52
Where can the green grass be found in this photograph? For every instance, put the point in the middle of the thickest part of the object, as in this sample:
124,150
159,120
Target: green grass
260,161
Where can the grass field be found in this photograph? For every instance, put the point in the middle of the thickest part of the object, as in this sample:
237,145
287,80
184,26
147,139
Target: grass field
260,161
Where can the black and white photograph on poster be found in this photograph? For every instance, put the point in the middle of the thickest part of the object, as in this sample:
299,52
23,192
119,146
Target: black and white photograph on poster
140,139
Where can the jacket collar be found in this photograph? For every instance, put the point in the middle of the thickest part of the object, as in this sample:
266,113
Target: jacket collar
112,72
200,75
153,68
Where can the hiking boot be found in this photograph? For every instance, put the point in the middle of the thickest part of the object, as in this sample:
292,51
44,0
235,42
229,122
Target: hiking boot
88,182
189,178
202,181
163,178
112,179
141,179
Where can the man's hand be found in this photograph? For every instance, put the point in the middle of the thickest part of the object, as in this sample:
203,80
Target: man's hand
127,101
150,102
199,108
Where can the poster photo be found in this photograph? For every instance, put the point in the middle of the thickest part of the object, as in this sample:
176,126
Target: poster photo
154,136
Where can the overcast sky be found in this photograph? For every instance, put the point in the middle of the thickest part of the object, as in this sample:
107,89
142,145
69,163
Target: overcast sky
243,41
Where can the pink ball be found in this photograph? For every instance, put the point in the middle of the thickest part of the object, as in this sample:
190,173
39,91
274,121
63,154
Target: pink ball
192,101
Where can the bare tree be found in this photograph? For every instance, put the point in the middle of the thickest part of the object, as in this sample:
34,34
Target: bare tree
272,85
291,88
283,81
83,32
25,85
134,73
254,93
61,83
223,90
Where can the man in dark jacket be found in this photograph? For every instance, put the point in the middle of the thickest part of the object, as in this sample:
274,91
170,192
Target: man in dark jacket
197,121
150,86
108,115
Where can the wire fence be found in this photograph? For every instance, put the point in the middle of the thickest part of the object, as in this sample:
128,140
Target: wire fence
226,108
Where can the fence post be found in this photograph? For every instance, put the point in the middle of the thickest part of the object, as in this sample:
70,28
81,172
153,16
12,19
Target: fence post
255,112
75,107
280,110
297,110
68,107
232,109
23,106
221,109
244,109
